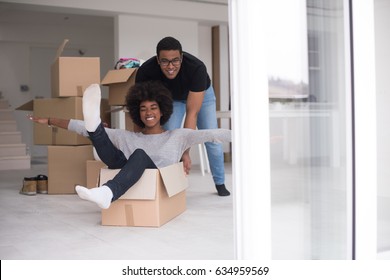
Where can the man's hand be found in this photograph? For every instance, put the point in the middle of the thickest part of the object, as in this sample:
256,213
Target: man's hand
186,161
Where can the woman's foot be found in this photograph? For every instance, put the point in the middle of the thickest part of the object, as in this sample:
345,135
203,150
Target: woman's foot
91,107
102,196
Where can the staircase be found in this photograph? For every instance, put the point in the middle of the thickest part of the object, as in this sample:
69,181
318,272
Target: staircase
13,153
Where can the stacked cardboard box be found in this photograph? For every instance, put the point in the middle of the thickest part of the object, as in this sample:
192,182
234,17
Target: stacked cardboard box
67,151
119,82
93,170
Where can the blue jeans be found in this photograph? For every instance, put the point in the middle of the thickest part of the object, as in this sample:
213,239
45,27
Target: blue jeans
207,119
131,169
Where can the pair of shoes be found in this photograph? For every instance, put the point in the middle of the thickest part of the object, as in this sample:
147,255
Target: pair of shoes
34,185
222,191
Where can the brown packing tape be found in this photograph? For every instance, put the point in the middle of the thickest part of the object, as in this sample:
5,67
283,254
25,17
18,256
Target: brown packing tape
80,90
54,135
129,213
61,49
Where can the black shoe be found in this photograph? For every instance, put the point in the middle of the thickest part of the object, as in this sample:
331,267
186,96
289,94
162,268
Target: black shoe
222,191
41,184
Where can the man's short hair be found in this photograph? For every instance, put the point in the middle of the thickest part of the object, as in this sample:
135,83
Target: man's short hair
168,44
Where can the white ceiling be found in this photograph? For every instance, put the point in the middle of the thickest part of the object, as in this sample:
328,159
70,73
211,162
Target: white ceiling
219,2
24,14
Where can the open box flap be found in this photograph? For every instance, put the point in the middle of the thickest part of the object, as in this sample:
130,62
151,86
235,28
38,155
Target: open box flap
61,49
29,106
174,178
118,76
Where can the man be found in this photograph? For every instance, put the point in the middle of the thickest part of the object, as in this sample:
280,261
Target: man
187,78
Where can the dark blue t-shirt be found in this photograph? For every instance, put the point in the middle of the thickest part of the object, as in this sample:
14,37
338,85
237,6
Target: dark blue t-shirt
192,76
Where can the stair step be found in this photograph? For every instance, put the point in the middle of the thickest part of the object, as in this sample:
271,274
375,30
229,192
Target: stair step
8,126
12,150
15,162
4,104
13,137
6,114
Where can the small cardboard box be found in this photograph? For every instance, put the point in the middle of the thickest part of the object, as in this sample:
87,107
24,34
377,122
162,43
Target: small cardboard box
67,168
119,82
158,197
93,171
70,76
63,108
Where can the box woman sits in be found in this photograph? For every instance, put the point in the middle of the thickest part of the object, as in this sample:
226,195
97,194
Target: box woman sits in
150,106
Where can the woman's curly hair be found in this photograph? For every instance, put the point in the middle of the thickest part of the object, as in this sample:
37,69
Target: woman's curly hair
149,91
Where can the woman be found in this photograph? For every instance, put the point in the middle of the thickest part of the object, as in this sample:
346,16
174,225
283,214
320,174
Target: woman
150,106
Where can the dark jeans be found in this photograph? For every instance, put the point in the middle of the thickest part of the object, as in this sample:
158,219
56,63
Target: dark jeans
131,169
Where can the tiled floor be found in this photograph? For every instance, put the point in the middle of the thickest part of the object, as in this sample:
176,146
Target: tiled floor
66,227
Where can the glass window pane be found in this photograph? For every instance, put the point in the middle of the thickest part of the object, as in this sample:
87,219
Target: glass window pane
382,45
309,131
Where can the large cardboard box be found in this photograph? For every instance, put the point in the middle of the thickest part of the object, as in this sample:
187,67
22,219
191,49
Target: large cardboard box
158,197
70,76
119,82
67,168
63,108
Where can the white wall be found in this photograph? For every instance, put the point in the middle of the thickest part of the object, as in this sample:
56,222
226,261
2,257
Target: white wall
141,42
382,47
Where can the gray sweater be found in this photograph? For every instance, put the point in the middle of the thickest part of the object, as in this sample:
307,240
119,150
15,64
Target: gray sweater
165,148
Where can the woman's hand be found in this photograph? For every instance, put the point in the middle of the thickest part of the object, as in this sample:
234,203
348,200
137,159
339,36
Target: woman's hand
61,123
38,120
186,159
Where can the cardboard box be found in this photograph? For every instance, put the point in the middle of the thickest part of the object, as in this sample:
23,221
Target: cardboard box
93,172
63,108
119,82
105,111
158,197
67,168
70,76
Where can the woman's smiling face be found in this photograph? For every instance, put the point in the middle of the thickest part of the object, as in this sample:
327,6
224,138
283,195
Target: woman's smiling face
150,113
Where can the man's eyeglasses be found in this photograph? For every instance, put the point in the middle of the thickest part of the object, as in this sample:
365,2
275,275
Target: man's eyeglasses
175,62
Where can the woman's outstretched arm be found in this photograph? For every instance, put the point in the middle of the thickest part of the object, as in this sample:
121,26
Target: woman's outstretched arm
61,123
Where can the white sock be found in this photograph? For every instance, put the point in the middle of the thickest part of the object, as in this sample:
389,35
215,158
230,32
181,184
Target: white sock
91,107
102,196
